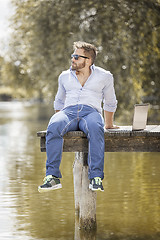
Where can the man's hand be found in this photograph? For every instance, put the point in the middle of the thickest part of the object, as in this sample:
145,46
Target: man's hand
111,127
109,120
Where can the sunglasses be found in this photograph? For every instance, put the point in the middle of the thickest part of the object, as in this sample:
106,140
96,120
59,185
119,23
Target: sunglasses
76,56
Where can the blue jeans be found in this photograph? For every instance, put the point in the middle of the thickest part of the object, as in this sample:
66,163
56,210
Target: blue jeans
73,118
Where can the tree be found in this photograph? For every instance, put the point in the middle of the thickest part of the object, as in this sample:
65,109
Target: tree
126,33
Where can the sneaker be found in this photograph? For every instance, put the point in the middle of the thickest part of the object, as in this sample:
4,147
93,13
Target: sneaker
96,184
50,183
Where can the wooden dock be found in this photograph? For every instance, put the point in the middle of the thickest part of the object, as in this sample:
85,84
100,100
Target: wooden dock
118,140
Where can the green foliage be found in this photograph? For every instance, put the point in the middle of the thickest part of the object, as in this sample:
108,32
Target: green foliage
126,32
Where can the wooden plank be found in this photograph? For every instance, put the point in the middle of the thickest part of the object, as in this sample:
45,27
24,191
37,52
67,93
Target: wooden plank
119,140
123,130
155,129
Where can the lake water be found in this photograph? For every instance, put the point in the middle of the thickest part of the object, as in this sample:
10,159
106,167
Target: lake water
129,208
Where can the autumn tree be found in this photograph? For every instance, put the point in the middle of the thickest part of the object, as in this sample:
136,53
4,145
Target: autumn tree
126,33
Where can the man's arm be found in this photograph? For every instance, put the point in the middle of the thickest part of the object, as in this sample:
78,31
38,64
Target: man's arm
60,96
110,102
108,116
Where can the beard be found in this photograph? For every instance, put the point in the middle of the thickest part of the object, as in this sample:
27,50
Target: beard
77,67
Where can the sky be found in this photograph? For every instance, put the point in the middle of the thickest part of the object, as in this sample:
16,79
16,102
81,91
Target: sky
5,12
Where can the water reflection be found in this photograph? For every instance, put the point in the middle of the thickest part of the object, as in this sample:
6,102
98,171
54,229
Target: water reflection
132,203
128,209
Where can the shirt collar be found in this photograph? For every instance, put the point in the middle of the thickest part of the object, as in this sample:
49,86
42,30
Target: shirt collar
92,67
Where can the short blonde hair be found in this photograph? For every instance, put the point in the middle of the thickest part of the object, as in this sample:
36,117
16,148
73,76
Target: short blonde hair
89,49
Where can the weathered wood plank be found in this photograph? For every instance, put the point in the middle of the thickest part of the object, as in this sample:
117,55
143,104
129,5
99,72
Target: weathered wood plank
155,129
119,140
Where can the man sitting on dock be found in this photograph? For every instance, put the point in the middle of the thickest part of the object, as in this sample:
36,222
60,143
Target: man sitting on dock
81,90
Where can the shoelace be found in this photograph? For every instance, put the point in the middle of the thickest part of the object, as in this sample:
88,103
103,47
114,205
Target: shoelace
47,178
98,180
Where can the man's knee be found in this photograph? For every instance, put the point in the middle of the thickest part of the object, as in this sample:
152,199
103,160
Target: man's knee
55,128
95,127
57,123
95,123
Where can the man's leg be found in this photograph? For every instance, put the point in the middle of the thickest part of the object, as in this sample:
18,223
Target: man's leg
59,124
93,126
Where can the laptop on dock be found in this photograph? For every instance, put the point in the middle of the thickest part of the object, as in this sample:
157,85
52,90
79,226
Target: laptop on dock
140,116
139,119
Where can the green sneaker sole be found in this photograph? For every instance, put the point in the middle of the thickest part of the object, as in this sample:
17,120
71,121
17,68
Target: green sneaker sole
95,189
57,186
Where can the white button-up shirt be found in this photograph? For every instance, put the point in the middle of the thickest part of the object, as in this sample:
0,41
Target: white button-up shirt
98,88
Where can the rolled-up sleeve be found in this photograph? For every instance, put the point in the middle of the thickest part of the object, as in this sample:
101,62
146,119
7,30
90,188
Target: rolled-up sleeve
109,96
60,96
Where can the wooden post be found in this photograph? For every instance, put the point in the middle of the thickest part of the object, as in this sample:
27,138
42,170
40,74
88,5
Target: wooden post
77,176
85,199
